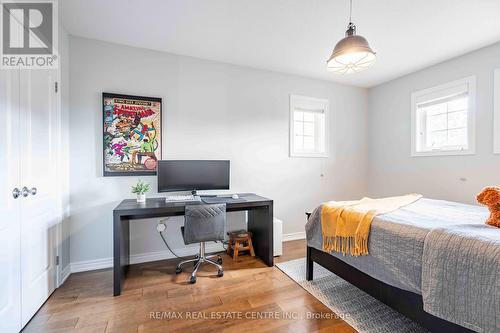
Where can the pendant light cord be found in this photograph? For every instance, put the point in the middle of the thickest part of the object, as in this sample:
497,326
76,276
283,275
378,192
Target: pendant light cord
351,28
350,11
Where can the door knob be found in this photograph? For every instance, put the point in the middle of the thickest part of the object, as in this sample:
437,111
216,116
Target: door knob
26,191
16,193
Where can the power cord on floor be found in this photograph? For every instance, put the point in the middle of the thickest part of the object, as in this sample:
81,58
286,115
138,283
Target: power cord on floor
162,227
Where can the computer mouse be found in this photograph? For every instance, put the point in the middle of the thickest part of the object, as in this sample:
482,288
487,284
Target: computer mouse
235,196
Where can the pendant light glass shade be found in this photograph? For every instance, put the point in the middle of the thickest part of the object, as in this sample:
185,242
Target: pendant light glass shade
351,54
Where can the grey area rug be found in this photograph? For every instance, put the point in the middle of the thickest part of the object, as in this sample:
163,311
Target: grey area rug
360,310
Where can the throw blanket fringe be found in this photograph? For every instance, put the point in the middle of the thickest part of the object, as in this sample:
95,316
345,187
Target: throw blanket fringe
346,224
356,246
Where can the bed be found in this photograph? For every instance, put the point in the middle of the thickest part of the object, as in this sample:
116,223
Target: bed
423,257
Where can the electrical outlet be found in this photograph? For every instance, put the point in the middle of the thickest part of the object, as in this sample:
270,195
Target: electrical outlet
160,227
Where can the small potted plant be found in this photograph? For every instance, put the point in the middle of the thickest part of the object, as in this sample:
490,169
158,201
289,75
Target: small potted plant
141,188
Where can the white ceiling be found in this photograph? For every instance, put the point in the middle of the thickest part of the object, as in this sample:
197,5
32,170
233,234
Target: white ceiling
293,36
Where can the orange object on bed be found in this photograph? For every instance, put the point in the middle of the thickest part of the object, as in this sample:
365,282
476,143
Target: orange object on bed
490,197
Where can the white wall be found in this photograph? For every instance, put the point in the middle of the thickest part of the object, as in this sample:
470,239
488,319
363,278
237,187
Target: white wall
211,110
391,170
64,167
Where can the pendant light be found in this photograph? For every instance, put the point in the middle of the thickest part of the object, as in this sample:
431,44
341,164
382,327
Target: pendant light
352,53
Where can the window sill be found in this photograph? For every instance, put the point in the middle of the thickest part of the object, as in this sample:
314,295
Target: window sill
443,153
316,155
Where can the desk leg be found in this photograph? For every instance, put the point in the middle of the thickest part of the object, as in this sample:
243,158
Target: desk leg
121,252
260,223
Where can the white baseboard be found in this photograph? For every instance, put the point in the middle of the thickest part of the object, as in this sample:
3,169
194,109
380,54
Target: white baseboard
65,274
183,252
294,236
91,265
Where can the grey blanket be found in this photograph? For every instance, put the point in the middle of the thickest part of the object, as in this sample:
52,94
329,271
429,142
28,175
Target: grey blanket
461,276
396,241
396,246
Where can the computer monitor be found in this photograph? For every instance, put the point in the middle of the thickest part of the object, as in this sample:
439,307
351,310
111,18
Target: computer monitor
192,175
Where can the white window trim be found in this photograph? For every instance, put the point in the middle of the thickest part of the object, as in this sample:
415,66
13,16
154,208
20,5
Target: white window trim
471,123
496,126
296,102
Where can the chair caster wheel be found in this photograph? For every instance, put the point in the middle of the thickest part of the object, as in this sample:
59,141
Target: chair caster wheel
178,270
220,273
192,280
219,260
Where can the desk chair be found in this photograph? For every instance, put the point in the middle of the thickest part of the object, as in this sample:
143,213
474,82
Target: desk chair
203,223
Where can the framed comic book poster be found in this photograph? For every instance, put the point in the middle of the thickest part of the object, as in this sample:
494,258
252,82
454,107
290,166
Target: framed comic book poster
131,134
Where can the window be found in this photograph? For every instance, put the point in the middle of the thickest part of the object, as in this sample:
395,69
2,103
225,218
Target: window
308,126
496,117
443,119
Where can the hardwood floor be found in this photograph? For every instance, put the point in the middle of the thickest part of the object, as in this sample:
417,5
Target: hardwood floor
249,297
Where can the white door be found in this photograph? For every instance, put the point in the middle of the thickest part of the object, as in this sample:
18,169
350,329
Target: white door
10,278
38,143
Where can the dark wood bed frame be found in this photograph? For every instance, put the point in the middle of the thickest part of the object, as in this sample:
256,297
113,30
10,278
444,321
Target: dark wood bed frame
405,302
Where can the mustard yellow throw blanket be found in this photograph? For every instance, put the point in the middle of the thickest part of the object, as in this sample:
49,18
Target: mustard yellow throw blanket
346,224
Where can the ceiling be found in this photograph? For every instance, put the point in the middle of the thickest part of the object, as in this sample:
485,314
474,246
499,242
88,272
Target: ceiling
293,36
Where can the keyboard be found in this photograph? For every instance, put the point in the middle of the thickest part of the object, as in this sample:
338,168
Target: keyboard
182,198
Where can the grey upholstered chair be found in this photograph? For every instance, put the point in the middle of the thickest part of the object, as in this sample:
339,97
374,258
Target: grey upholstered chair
203,223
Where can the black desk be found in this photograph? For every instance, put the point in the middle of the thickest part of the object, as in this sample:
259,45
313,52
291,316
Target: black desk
260,223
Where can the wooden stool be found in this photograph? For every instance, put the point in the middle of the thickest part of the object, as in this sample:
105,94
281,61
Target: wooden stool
240,241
